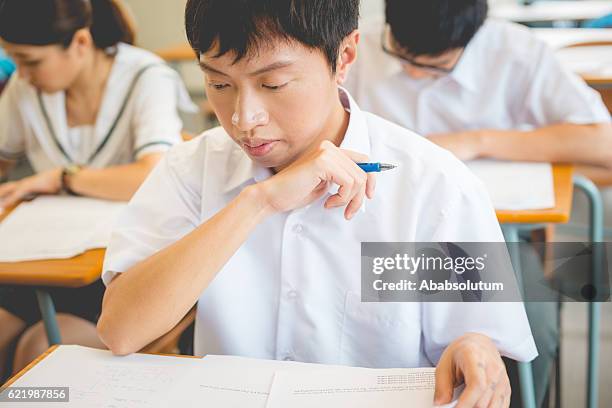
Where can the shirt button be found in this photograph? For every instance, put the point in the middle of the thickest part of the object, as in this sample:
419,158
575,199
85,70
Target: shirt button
292,294
298,228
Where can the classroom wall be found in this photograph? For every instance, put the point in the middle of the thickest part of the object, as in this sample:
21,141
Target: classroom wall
160,22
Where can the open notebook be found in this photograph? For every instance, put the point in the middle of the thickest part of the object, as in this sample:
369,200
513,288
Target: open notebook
55,227
516,185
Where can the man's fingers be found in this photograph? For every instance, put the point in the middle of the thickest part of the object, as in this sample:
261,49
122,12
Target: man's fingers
496,383
356,157
345,193
371,185
355,203
352,182
475,383
445,383
501,395
371,177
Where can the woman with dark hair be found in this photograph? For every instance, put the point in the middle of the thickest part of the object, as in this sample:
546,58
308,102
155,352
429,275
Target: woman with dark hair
93,114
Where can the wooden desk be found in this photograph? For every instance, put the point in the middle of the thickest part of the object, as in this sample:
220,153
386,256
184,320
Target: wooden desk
563,186
550,11
75,272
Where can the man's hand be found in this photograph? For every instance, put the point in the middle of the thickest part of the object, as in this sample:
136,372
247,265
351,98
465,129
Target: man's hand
464,145
474,360
309,178
47,182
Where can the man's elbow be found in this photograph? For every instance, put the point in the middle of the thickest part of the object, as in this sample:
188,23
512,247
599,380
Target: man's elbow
116,341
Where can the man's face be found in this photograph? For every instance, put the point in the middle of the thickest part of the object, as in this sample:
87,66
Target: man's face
424,65
277,104
420,66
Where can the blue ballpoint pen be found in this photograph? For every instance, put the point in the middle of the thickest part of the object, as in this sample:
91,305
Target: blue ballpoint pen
375,167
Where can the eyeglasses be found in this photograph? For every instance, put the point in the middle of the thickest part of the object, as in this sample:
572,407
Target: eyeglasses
385,43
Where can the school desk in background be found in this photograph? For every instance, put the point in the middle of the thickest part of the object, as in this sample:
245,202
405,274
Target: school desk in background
55,241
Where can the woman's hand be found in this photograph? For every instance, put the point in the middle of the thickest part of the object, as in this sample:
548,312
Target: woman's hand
47,182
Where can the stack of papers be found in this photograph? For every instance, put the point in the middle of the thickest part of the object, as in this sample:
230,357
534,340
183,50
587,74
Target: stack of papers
97,378
53,227
516,185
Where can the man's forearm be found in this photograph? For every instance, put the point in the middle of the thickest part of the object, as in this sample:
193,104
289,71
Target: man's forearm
148,300
563,143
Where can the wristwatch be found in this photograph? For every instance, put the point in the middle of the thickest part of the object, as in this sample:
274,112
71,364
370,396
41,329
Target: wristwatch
67,172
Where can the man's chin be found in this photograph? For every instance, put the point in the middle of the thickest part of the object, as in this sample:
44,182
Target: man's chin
273,162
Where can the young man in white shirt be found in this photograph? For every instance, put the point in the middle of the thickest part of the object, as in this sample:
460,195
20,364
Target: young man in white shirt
477,87
260,221
481,89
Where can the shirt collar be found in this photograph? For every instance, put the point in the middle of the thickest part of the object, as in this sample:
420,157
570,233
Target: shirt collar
467,72
356,139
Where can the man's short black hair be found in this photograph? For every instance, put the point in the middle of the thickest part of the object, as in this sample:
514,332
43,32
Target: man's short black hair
432,27
245,26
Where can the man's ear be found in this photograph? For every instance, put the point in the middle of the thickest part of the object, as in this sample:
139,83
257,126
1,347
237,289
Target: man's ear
347,56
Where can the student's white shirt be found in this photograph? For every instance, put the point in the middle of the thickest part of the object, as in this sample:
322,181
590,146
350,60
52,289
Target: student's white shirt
292,290
150,121
506,79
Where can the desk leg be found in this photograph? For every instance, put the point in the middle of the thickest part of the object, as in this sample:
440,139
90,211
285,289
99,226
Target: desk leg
47,310
595,235
525,371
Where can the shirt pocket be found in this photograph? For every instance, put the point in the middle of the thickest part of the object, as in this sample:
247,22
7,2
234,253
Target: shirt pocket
380,335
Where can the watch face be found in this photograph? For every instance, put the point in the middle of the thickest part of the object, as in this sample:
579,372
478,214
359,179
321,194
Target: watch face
73,168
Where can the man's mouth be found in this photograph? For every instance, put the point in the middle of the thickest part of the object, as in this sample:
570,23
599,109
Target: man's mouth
259,147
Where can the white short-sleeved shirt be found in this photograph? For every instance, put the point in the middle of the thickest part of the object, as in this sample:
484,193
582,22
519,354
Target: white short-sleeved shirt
147,92
506,79
292,290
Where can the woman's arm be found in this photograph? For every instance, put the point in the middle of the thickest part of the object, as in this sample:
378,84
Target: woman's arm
112,183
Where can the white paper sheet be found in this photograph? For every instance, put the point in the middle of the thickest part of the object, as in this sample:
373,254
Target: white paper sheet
55,227
235,382
516,185
356,388
98,379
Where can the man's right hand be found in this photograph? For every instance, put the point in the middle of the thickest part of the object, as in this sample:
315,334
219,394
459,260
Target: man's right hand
309,178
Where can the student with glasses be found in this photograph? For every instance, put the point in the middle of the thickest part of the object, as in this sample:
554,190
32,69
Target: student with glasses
481,88
478,87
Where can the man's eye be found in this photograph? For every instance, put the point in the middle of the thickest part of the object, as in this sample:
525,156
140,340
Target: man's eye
218,87
274,87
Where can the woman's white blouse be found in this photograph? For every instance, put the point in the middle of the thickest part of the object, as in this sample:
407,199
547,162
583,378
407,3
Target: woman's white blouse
139,114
